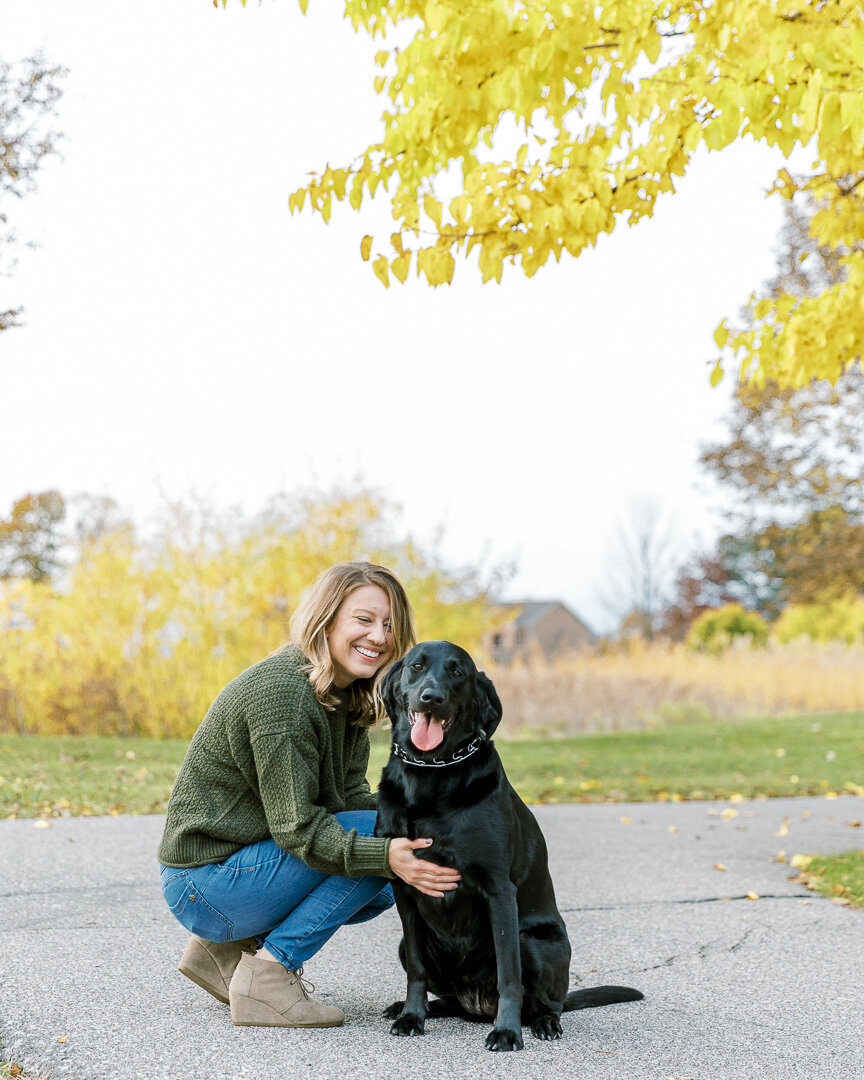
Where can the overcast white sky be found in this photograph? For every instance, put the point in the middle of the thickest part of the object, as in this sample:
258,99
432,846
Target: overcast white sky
183,331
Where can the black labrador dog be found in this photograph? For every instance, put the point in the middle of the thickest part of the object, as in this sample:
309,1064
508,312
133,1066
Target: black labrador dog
496,947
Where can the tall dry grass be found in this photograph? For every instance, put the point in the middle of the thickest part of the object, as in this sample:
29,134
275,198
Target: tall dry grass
644,685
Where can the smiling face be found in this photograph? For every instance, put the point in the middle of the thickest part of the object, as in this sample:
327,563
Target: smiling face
360,637
436,695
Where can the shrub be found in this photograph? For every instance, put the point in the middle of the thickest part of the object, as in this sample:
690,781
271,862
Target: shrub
834,620
714,631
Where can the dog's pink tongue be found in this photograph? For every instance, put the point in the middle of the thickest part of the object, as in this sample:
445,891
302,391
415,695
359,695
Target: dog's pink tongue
427,732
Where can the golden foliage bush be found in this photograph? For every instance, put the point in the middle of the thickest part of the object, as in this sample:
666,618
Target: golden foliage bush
715,630
140,636
833,620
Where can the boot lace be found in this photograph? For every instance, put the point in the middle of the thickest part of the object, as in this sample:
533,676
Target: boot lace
306,985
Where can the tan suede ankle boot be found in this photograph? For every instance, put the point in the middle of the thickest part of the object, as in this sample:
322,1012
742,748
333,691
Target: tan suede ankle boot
211,964
264,993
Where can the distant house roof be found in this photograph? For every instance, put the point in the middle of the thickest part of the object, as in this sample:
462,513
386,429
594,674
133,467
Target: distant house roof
534,611
547,625
552,623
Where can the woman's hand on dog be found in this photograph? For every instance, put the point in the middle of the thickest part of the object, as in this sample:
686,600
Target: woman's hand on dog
427,877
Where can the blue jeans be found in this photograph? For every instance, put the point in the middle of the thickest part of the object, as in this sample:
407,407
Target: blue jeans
264,892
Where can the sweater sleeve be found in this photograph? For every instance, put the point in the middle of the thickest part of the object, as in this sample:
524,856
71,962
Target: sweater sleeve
286,755
358,795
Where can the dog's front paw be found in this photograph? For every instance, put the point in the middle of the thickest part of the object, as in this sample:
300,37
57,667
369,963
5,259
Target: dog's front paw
409,1024
394,1010
503,1039
546,1027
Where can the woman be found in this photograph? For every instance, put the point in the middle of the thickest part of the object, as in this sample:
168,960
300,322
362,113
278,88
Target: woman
268,845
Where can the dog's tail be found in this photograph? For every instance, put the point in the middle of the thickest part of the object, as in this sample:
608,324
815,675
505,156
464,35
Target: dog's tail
594,996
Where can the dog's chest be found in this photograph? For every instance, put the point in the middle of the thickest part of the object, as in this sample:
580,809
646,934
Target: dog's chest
455,843
422,805
468,835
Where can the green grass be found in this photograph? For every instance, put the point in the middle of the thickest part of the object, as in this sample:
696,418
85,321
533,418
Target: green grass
839,877
799,755
49,775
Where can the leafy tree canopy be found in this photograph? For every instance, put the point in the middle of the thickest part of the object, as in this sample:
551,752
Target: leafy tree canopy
28,94
794,450
793,460
739,571
30,539
605,103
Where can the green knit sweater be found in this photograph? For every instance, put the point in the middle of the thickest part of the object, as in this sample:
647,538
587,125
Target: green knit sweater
269,760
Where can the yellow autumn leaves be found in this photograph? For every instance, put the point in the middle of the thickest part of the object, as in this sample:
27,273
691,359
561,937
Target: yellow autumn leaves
382,266
613,97
139,637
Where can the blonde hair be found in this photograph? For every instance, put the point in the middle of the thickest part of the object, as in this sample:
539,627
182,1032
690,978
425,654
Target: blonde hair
314,616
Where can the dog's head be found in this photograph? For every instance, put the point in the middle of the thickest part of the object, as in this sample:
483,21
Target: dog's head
438,700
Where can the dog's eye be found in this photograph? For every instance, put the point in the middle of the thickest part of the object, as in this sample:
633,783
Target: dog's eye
417,667
456,673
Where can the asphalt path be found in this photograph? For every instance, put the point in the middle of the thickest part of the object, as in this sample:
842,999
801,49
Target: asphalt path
734,987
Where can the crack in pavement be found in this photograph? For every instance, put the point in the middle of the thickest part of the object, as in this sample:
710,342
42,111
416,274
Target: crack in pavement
743,941
703,952
82,888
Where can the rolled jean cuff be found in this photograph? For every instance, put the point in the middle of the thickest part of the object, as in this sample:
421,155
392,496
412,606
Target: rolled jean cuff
274,950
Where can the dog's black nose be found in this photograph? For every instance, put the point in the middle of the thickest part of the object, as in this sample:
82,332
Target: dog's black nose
430,696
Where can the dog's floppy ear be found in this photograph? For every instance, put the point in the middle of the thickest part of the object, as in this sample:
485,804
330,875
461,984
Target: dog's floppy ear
489,704
389,686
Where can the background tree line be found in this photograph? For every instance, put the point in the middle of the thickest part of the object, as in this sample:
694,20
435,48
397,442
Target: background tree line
791,468
105,630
